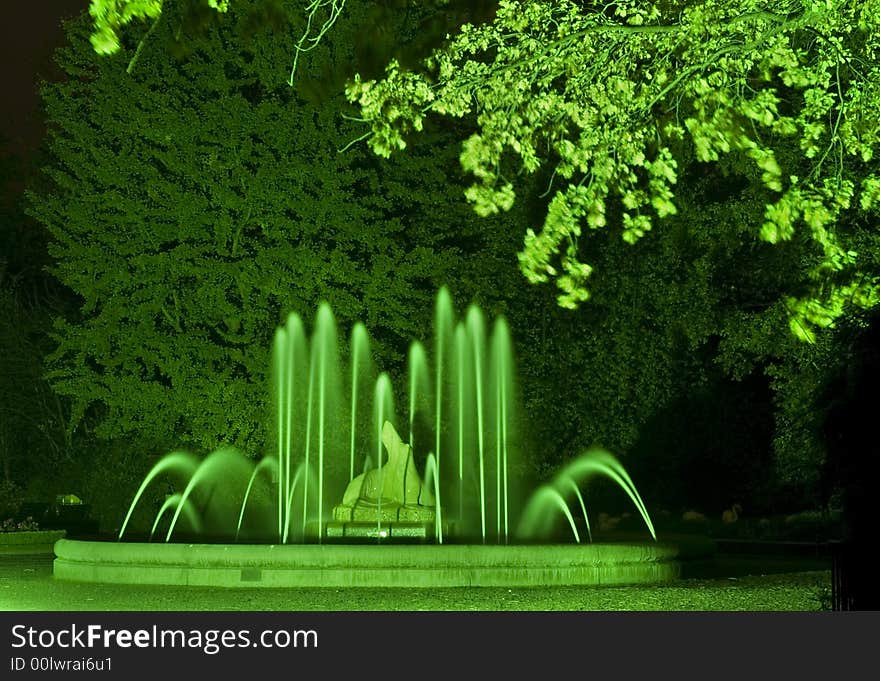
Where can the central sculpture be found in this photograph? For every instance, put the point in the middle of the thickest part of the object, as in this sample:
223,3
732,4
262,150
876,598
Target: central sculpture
391,494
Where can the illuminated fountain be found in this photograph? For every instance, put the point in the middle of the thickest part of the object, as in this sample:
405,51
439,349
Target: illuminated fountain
340,488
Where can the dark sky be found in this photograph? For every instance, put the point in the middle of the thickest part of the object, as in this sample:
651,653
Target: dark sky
29,31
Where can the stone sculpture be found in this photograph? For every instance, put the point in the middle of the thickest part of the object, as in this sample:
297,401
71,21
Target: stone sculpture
395,491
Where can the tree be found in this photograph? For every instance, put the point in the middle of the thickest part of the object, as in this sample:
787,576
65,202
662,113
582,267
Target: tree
32,418
111,16
618,99
197,201
560,85
698,318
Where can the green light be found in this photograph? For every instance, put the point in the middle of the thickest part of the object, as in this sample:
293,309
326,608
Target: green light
479,398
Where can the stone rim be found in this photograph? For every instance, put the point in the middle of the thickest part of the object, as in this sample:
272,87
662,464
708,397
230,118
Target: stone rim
366,565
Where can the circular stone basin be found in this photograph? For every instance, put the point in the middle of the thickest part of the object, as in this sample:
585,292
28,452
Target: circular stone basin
358,565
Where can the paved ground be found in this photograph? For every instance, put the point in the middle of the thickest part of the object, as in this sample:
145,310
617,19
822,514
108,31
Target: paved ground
26,583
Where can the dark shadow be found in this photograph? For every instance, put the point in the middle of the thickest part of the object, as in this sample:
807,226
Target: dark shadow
850,432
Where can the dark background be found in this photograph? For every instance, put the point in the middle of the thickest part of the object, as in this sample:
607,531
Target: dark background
706,443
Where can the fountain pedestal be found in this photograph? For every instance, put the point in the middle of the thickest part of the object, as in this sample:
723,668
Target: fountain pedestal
389,499
391,532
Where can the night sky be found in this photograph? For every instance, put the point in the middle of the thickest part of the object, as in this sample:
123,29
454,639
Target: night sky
28,34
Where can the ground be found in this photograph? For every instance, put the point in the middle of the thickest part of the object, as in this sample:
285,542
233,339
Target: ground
734,583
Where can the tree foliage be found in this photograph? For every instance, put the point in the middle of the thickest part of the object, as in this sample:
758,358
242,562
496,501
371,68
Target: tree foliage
615,99
111,16
32,417
196,202
745,130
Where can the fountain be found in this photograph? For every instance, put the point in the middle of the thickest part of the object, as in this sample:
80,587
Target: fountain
342,497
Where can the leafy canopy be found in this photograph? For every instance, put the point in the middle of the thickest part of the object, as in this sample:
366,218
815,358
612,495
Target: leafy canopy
613,100
195,202
609,97
109,16
703,279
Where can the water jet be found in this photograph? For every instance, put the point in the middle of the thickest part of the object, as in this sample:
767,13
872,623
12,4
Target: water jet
343,499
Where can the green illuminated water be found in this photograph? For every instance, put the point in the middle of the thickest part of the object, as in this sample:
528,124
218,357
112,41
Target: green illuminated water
443,325
384,408
361,369
537,517
465,392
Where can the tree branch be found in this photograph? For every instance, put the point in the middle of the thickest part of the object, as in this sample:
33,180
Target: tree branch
137,52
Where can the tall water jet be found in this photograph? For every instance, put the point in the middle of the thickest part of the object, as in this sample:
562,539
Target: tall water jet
330,470
306,386
361,370
384,409
419,388
290,371
501,370
325,327
477,337
444,323
280,391
461,399
321,444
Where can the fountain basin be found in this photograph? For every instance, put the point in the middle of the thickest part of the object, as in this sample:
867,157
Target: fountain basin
364,565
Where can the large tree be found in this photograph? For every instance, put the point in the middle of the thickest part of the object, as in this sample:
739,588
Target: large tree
618,97
33,437
707,114
614,95
197,200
